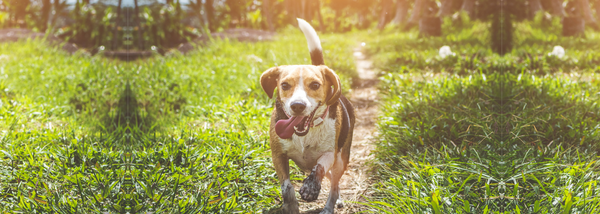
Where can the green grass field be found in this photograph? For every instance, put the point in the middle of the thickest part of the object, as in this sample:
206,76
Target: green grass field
187,136
480,133
470,133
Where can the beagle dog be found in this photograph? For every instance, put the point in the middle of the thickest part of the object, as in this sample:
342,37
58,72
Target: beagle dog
312,124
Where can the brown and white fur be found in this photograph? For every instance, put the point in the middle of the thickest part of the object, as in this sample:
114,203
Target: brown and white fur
325,149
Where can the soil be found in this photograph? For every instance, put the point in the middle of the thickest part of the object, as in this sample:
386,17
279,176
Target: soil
355,184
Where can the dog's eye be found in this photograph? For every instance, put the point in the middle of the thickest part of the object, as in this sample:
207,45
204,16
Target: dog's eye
285,86
314,86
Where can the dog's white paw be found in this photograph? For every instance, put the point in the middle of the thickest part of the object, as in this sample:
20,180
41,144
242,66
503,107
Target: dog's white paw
339,203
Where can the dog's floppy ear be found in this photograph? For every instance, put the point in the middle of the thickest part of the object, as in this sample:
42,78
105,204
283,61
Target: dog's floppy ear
335,81
268,80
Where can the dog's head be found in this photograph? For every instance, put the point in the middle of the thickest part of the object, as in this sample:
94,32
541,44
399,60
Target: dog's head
301,88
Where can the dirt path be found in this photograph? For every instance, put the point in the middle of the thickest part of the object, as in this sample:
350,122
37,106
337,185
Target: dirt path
355,181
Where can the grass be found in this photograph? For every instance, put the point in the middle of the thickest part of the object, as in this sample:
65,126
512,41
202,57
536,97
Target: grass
176,134
406,52
480,133
469,133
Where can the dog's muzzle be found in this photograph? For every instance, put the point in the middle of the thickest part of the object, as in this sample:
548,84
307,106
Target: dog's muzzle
300,125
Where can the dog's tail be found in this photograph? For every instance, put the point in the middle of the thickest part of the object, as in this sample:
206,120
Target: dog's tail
314,43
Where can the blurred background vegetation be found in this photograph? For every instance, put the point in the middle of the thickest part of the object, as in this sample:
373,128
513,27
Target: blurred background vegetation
142,24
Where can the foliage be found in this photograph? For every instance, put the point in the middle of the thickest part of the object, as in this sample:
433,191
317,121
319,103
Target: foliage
406,51
51,161
502,33
163,26
499,136
67,150
93,27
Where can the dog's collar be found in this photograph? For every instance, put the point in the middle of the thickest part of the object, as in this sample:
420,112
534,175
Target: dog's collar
318,120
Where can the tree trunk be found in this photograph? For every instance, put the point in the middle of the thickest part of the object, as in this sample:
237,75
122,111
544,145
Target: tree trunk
430,26
417,11
386,6
289,8
535,6
116,30
401,12
468,6
598,8
447,8
557,8
46,8
137,21
321,23
196,7
573,26
304,10
210,14
336,22
268,14
78,37
585,8
56,13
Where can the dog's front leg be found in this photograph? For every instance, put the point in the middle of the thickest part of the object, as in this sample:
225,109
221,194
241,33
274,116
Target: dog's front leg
312,184
290,204
336,173
282,167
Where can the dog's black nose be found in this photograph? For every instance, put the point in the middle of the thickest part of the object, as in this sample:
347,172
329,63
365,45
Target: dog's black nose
298,107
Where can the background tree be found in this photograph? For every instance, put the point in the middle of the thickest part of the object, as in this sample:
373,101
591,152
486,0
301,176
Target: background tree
138,25
597,6
45,16
237,12
556,8
401,12
116,28
169,23
468,6
416,12
386,8
18,11
535,6
447,8
585,9
268,14
210,15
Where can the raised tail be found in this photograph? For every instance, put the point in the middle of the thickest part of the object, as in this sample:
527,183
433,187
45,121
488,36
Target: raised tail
314,43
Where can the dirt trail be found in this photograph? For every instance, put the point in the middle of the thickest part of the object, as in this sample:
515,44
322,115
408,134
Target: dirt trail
355,181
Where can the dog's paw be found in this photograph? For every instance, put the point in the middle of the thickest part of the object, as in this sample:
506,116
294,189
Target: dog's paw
310,189
326,211
311,186
291,208
290,204
339,203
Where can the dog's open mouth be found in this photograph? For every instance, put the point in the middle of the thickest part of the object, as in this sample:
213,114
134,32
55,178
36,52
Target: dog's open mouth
303,127
297,124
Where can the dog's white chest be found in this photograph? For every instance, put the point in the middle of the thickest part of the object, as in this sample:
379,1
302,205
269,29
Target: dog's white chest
306,150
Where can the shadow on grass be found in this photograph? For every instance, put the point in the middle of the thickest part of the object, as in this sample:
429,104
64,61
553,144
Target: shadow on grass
477,144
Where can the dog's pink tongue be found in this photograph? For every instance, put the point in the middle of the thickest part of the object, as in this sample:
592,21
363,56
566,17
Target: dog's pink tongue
285,128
